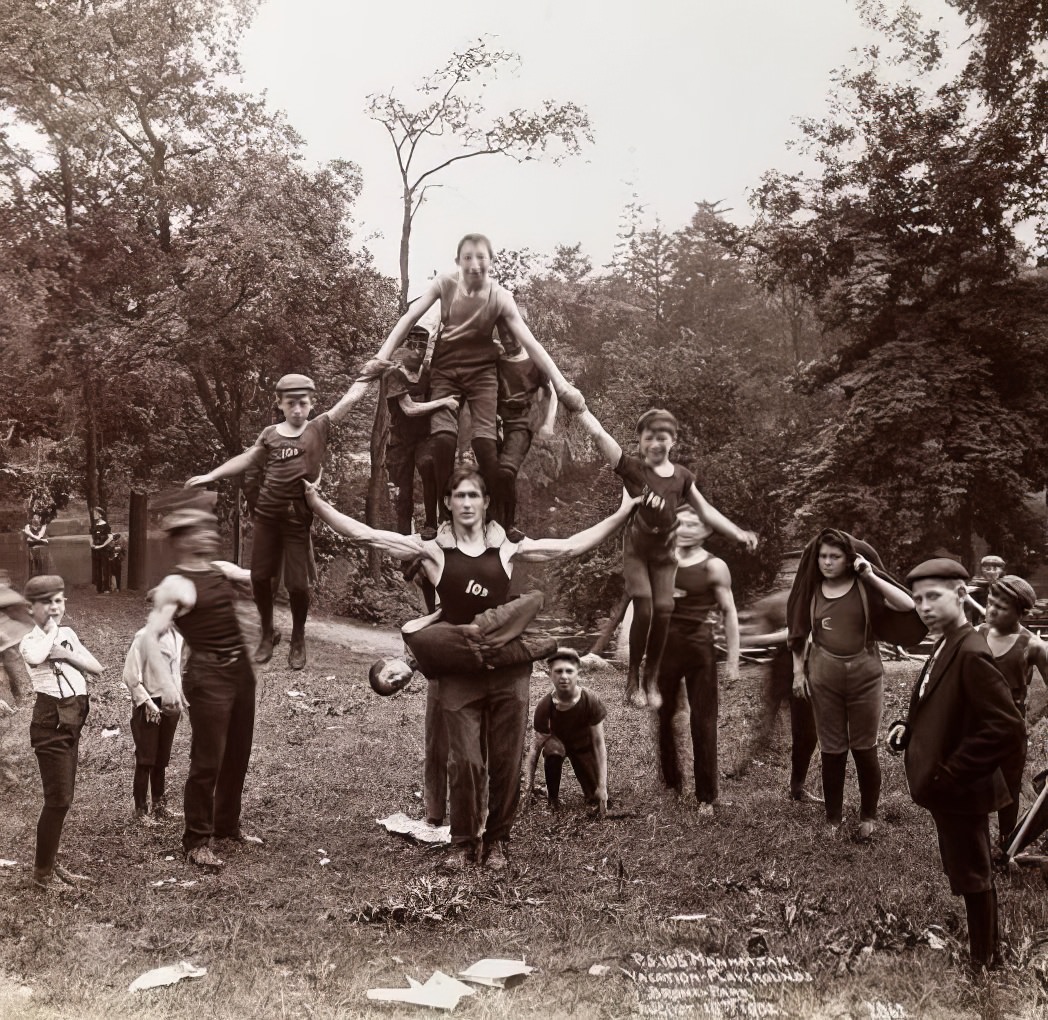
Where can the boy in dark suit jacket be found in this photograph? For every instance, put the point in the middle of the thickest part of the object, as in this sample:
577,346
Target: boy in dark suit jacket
961,727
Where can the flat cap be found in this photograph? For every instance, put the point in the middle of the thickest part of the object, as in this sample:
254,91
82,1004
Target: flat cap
654,418
294,383
941,568
992,561
565,653
1017,590
188,517
43,587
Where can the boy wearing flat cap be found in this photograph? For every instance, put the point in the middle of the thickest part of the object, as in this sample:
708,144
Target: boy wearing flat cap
57,663
961,727
569,723
648,561
218,685
1016,653
288,454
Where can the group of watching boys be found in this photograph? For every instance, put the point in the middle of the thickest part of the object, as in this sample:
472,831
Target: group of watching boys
476,649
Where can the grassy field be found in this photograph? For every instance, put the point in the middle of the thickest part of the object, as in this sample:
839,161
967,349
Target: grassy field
282,935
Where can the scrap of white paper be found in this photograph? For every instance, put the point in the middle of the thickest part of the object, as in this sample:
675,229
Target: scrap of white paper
295,694
600,970
439,992
416,828
8,864
690,917
495,973
111,731
169,975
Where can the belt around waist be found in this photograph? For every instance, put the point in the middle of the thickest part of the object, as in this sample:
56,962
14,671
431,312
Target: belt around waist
215,658
845,658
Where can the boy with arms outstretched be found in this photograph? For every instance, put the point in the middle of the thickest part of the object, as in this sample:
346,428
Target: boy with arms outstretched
290,453
648,560
465,356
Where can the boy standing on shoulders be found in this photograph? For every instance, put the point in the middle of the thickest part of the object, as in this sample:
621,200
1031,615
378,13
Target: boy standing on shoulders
961,727
569,723
648,561
219,684
152,729
57,663
288,453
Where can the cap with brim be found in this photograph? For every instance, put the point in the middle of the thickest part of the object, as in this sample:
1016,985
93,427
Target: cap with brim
181,498
44,586
941,568
188,517
295,383
1017,589
9,597
565,653
656,417
992,561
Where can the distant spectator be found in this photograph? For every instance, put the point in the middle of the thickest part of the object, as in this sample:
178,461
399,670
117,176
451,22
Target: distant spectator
36,546
101,540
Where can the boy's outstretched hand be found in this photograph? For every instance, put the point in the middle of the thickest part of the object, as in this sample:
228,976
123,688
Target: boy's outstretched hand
750,540
197,481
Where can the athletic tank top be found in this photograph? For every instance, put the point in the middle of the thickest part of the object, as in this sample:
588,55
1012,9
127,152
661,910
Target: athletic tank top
211,625
467,337
694,608
1013,667
839,625
471,584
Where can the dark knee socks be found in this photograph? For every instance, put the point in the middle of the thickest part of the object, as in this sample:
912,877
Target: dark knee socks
262,589
299,601
48,836
639,634
553,766
487,456
158,782
655,645
981,909
140,786
868,769
833,767
439,461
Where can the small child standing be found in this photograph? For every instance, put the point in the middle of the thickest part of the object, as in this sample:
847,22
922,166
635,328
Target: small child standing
152,729
569,723
57,663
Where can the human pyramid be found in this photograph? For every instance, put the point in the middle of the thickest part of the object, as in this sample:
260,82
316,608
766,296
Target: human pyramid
962,736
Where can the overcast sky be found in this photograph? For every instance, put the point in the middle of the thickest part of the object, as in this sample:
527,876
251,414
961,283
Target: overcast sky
689,99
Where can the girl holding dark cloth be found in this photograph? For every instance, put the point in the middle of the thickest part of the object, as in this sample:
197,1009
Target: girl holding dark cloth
841,604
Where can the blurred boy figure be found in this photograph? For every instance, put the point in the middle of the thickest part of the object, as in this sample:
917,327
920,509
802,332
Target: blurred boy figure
15,623
991,569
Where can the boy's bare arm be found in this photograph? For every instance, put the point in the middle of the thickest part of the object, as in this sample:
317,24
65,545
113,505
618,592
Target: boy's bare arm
518,329
234,466
546,429
405,547
537,741
600,749
165,609
718,522
609,448
419,408
540,550
410,318
726,601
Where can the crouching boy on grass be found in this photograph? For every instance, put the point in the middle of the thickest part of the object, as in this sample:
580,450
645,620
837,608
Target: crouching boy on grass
569,723
57,663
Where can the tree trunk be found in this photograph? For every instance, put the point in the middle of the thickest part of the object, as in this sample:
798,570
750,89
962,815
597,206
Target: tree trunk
375,506
138,542
405,249
90,446
607,632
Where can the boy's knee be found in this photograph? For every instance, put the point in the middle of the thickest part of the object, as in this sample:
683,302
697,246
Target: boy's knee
553,748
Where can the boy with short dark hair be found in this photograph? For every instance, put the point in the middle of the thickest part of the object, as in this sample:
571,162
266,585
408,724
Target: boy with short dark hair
289,453
648,560
569,723
57,664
